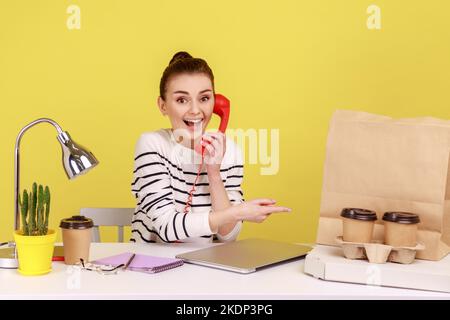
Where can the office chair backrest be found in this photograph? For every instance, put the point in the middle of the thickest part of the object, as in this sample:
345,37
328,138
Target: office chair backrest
119,217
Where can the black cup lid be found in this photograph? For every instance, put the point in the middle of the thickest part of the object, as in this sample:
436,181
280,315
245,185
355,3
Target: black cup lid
76,222
359,214
401,217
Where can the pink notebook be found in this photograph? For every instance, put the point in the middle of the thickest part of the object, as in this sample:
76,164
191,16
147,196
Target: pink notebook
141,262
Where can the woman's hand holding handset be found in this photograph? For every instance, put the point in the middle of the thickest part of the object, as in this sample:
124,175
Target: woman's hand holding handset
256,210
215,146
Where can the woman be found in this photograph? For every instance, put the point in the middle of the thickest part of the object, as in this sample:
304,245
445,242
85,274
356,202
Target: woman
167,165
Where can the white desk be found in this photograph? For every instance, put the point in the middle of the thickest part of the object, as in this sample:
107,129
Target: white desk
285,281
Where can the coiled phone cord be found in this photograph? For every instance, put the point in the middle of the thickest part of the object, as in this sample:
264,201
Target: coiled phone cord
191,192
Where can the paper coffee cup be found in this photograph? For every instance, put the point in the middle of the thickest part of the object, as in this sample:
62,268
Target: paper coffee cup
400,229
76,232
358,224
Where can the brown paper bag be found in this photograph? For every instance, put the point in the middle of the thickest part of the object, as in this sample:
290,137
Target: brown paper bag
384,164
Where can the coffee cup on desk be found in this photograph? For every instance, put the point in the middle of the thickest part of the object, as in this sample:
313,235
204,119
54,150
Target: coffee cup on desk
76,232
400,229
358,224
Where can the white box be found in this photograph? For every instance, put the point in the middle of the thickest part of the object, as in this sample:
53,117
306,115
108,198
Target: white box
328,263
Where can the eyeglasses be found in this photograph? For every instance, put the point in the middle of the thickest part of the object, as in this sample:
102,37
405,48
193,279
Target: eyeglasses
99,268
8,243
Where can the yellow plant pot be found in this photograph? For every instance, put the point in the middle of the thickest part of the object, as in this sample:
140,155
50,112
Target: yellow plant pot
35,252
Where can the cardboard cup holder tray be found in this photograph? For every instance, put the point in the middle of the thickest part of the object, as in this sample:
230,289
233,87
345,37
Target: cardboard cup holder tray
377,252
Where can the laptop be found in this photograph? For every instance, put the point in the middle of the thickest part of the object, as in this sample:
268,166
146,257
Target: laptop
245,256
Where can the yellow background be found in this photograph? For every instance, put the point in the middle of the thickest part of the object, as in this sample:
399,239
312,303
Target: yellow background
283,64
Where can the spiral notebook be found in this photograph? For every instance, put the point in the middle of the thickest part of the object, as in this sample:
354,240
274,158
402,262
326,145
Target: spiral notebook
141,262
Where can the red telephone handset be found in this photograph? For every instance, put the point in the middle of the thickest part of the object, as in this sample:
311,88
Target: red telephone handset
222,109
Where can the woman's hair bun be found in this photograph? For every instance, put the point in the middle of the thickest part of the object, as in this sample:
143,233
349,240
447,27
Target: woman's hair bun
180,55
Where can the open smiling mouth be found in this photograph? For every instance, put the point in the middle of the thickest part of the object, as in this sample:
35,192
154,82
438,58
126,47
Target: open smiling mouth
192,123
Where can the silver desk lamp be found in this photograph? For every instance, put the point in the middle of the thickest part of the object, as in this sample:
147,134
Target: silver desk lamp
76,160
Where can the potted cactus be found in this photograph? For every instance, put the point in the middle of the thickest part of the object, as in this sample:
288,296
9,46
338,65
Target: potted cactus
34,240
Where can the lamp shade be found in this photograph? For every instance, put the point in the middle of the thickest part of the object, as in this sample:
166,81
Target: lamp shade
76,159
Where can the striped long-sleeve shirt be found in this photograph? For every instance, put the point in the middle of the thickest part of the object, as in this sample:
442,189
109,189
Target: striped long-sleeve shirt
164,172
